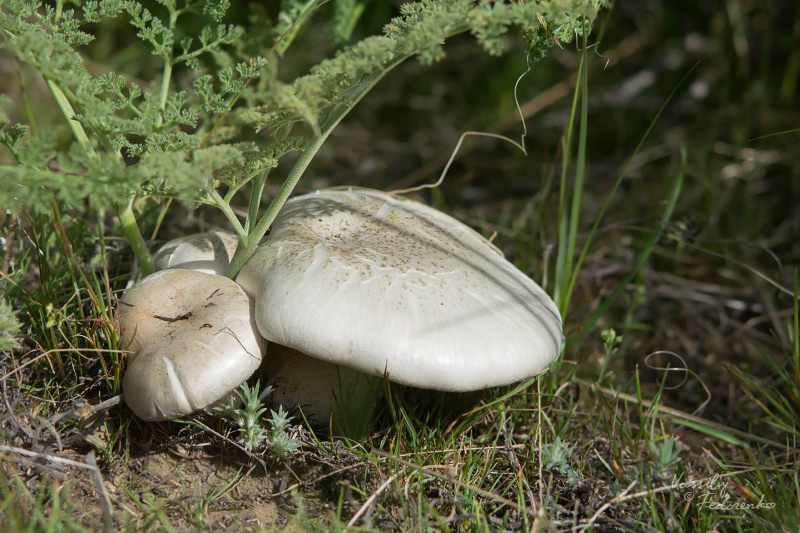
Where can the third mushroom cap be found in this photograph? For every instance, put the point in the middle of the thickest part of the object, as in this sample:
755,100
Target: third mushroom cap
383,284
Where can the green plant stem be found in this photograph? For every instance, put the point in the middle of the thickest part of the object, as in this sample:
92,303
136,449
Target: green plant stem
796,331
166,76
166,73
351,22
125,212
26,94
580,171
255,199
247,246
565,253
223,206
130,228
285,40
161,214
69,113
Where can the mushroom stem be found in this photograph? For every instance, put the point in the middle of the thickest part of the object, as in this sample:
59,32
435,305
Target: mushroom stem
329,395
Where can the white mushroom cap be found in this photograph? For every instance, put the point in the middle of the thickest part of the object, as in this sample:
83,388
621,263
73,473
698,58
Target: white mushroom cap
193,340
209,252
379,283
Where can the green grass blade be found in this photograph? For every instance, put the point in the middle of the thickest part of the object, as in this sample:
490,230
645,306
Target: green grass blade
563,259
711,432
580,174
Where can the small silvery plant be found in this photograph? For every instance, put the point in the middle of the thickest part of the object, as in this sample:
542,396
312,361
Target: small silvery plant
246,408
278,438
556,457
665,455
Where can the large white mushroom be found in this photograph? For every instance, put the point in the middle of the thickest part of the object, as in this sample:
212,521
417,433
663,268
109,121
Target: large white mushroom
388,286
192,340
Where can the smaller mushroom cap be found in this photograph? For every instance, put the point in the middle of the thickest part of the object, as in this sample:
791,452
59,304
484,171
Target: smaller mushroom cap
383,284
193,340
209,252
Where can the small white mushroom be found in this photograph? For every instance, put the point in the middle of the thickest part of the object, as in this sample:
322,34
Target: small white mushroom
383,284
192,338
209,252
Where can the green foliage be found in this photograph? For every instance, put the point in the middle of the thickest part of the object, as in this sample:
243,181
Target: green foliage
611,340
252,433
278,439
611,343
556,457
665,455
191,139
129,141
